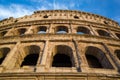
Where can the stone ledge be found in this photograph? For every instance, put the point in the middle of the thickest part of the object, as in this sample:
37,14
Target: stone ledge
58,37
57,76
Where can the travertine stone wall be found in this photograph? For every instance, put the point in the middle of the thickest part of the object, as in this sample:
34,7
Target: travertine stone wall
47,33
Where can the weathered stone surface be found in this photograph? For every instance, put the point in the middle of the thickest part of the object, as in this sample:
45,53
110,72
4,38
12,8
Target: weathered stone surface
89,45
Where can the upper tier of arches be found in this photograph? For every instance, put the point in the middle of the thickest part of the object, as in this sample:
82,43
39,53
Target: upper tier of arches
60,29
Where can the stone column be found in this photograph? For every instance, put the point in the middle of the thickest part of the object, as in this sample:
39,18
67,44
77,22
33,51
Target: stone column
11,58
73,28
77,55
115,61
112,34
44,55
81,57
48,28
93,32
39,58
11,32
70,29
30,30
51,29
42,58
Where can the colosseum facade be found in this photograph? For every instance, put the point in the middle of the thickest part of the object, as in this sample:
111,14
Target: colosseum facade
59,45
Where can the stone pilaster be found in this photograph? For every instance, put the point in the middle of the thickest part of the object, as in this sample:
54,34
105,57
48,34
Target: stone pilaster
70,28
30,30
115,61
51,29
77,55
11,32
11,58
92,31
42,58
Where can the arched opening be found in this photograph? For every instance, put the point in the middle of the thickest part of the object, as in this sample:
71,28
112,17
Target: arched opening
45,16
76,17
117,53
83,30
93,62
42,29
21,31
61,60
118,35
96,58
62,29
103,33
30,60
32,54
63,56
3,53
3,33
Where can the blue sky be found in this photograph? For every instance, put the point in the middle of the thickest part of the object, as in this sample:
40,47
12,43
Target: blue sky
18,8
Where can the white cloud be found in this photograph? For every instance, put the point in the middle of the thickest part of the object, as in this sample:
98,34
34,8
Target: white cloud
54,4
14,10
43,8
117,19
50,5
60,6
17,10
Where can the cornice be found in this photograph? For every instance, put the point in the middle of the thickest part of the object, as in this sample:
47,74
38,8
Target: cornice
59,37
38,15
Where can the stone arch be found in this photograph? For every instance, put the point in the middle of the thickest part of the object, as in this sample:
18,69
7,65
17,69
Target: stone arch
83,30
41,29
45,16
96,58
61,29
3,33
76,17
62,56
31,55
93,62
118,35
117,53
3,53
103,33
21,31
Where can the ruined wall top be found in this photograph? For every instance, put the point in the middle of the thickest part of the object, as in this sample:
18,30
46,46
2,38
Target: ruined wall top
60,15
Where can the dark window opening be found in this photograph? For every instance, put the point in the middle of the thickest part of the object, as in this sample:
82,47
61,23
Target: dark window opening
22,31
63,56
16,20
62,29
42,29
106,22
1,60
93,62
83,30
117,52
31,57
3,33
118,35
97,59
30,60
45,16
61,60
3,53
103,33
76,17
